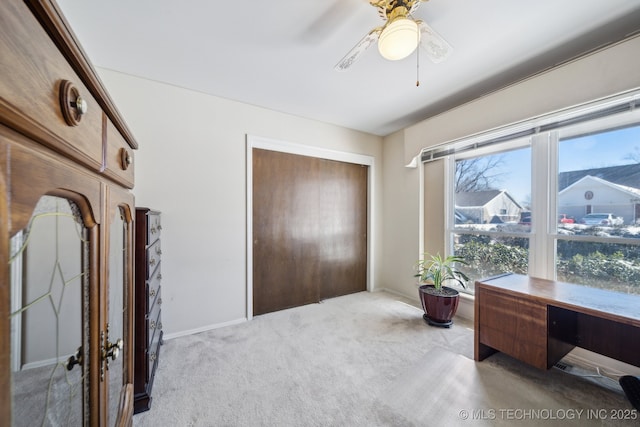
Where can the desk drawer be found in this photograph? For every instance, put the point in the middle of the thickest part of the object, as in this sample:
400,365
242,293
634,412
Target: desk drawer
33,73
514,326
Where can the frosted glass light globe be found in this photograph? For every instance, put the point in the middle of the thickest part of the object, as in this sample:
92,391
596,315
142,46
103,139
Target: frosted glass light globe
399,39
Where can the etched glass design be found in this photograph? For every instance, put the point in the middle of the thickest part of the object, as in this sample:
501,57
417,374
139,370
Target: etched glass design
49,315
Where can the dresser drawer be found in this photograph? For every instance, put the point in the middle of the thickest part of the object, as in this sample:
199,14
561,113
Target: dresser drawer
154,323
155,227
33,76
153,257
153,287
153,354
119,157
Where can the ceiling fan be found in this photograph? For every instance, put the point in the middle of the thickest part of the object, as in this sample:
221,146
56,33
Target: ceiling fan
400,35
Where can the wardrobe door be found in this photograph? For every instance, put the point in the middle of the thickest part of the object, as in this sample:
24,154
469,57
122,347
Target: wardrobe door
68,242
119,306
50,321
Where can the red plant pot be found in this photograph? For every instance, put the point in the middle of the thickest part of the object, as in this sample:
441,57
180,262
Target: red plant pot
439,306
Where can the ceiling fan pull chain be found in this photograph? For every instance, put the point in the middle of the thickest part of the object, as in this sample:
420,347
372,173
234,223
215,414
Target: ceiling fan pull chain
418,60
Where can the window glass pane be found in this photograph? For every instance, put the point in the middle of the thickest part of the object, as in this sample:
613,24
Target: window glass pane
489,256
493,192
599,201
614,266
599,182
492,212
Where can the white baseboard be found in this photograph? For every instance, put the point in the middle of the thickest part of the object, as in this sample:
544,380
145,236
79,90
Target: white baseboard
466,308
203,329
603,365
41,363
413,298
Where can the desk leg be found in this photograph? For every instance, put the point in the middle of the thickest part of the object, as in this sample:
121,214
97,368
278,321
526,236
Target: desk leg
556,350
482,351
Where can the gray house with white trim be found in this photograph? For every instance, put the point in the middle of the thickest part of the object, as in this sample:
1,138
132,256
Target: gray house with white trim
483,207
613,190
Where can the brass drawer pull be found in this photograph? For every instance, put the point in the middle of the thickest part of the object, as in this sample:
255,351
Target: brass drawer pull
152,261
126,159
152,357
152,292
72,104
152,324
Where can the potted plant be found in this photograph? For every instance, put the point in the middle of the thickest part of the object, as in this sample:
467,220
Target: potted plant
439,302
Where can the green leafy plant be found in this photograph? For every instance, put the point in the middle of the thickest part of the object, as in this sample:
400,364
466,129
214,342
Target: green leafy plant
437,270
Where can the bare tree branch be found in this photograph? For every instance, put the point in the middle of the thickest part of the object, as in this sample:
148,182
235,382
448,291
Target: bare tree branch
478,174
633,156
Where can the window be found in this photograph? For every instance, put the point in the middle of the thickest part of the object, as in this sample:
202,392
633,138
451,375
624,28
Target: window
578,222
492,205
598,203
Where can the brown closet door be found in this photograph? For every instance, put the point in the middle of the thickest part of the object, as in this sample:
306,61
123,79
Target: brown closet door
309,229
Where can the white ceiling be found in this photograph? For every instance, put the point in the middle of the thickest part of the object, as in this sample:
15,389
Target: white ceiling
280,54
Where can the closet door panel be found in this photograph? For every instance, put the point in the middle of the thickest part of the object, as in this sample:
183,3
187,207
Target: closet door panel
309,229
343,225
286,264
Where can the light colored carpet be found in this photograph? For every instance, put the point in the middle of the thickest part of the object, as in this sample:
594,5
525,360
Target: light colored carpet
366,359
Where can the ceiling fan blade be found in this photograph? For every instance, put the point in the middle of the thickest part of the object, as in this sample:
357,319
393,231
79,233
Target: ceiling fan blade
436,47
358,50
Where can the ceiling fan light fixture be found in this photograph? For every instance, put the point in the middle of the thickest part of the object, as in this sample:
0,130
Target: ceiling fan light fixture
399,39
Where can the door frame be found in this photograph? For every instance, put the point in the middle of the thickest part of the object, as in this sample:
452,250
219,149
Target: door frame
309,151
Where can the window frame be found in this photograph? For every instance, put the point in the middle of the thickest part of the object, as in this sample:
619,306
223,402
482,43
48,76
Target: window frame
603,116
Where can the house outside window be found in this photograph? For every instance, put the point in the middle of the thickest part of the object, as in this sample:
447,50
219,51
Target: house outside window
599,189
491,195
578,222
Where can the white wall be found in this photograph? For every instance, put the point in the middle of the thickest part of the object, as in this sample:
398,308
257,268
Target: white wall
595,76
401,213
191,166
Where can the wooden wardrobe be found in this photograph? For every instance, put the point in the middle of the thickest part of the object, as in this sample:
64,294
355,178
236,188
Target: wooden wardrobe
66,234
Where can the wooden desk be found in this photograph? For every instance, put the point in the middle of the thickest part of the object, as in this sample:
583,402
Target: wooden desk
539,321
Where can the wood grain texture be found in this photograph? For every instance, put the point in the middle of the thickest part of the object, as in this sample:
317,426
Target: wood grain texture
309,229
5,290
41,154
514,326
32,70
539,321
55,24
114,166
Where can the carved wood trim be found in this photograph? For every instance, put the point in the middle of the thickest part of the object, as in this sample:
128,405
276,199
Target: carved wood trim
50,17
14,118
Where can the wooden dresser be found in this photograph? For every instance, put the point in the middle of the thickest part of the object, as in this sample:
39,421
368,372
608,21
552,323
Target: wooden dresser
148,323
66,230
